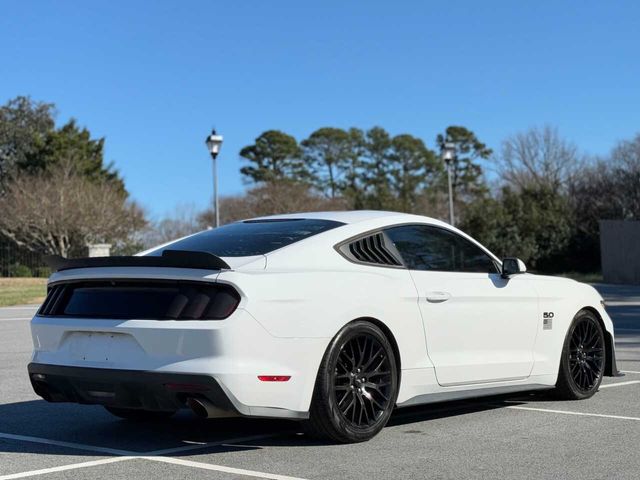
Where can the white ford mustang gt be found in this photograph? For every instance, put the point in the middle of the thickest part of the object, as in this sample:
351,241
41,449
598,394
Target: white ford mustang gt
332,318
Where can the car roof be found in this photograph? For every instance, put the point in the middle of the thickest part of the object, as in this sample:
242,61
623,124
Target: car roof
356,222
348,217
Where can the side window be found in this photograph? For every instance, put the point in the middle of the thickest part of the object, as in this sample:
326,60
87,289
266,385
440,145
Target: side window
472,258
431,248
424,248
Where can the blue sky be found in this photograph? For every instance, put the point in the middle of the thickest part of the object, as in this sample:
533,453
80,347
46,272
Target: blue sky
154,77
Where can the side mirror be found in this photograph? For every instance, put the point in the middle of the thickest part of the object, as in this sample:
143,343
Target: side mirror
512,266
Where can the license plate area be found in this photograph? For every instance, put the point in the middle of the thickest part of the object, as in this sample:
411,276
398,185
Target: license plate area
94,347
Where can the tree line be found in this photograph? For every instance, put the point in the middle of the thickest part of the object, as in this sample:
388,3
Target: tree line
542,203
57,194
535,195
367,169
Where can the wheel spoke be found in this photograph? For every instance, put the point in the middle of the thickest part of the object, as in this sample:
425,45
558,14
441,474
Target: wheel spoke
372,359
341,362
346,408
354,409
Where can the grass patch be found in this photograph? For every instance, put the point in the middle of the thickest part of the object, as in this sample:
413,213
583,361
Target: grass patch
595,277
20,291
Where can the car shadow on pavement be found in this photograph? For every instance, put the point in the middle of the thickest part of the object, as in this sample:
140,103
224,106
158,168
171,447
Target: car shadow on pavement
93,427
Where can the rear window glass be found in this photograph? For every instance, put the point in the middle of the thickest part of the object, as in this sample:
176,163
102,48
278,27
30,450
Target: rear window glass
251,237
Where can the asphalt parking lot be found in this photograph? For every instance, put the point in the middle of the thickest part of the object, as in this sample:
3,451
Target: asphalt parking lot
518,436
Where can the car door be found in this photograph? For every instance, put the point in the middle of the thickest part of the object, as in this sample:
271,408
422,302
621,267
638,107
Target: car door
479,326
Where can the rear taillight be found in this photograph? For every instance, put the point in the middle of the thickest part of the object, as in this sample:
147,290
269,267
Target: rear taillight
141,300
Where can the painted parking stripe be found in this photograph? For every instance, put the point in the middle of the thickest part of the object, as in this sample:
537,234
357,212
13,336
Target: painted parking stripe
564,412
15,318
63,468
629,371
76,446
114,451
620,384
221,468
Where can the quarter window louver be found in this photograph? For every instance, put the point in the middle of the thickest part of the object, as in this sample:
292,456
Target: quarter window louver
371,249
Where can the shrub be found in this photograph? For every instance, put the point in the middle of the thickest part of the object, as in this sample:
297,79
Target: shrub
18,270
42,272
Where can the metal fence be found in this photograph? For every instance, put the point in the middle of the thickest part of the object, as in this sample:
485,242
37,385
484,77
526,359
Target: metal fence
19,262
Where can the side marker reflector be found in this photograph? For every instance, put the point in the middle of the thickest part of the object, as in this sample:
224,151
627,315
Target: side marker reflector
274,378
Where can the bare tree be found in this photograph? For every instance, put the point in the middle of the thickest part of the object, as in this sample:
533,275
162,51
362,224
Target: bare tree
610,188
625,166
273,198
183,221
59,212
538,157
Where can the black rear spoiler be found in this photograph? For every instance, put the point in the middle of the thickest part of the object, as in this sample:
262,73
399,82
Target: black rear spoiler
169,258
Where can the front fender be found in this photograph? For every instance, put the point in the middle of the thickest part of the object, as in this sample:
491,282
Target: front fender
563,299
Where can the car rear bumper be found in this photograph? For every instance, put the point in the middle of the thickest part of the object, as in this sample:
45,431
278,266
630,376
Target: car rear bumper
156,391
232,353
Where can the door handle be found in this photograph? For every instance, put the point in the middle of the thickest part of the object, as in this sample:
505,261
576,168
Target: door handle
438,297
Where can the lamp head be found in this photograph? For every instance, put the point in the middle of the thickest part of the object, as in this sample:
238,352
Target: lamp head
214,142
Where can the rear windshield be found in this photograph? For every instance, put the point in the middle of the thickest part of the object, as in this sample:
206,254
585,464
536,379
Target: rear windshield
251,237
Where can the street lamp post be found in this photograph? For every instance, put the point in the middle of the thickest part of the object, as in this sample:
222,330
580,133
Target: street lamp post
214,142
449,156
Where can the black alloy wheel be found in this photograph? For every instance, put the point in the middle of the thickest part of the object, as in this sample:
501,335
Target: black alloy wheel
362,380
356,387
583,358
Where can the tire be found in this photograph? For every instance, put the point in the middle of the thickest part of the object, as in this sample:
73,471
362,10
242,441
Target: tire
583,358
140,415
356,387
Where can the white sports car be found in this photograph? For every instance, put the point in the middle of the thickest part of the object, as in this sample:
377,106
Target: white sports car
331,318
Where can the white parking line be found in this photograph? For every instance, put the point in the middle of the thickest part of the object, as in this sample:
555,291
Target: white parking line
15,318
620,384
62,468
129,455
564,412
77,446
629,371
221,468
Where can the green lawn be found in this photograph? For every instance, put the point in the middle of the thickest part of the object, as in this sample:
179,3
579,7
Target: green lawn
19,291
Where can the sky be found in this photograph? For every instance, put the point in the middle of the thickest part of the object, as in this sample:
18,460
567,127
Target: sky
154,77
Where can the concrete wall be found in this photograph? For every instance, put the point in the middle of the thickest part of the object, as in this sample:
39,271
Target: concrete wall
620,251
